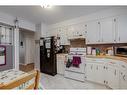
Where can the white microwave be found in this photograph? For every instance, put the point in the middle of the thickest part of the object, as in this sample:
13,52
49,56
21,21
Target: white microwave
121,51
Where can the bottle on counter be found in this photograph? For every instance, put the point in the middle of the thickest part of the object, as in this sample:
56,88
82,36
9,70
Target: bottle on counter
97,51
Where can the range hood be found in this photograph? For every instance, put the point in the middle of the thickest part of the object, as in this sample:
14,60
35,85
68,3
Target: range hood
76,37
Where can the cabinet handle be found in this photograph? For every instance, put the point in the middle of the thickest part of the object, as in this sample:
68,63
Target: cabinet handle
119,38
91,66
97,67
104,81
124,77
123,66
114,20
102,40
115,72
85,65
98,22
104,67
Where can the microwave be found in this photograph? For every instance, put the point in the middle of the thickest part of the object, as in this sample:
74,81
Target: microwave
121,51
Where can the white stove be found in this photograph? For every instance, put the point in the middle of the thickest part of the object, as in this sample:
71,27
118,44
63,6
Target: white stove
76,73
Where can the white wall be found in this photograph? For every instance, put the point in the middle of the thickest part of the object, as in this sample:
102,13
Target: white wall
93,16
22,48
16,49
37,46
30,48
26,25
44,29
41,30
8,19
26,53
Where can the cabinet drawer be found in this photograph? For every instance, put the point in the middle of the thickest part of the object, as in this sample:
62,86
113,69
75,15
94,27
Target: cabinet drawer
73,75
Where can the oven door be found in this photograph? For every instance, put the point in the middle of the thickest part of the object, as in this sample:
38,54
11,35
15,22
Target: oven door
79,69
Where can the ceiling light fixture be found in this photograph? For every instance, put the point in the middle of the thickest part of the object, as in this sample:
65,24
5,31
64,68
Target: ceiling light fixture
46,6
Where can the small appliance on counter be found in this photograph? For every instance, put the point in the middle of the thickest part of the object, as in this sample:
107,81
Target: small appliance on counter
121,51
89,50
94,51
109,52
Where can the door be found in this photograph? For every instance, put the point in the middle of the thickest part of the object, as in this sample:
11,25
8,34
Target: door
122,29
107,33
112,77
93,32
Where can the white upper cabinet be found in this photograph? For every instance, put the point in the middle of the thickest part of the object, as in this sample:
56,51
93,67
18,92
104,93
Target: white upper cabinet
76,31
63,34
122,29
101,31
107,30
93,32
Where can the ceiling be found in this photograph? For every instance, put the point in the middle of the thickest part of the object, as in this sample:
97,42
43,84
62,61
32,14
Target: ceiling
37,14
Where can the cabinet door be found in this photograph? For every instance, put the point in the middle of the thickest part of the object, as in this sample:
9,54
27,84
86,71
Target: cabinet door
122,29
62,32
61,35
93,32
107,33
60,64
123,79
112,77
70,31
65,31
99,73
89,72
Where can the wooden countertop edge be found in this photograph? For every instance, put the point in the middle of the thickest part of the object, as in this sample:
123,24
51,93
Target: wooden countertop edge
110,57
1,84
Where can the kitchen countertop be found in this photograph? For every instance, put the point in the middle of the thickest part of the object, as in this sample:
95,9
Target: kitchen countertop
109,57
62,53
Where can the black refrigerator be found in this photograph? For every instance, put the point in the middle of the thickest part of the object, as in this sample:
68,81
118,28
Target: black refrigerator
48,55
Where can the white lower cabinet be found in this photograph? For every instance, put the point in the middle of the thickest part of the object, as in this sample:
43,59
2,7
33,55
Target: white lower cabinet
99,73
112,77
123,75
60,63
123,80
94,72
75,76
89,72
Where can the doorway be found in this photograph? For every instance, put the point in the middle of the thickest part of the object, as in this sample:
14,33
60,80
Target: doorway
26,50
